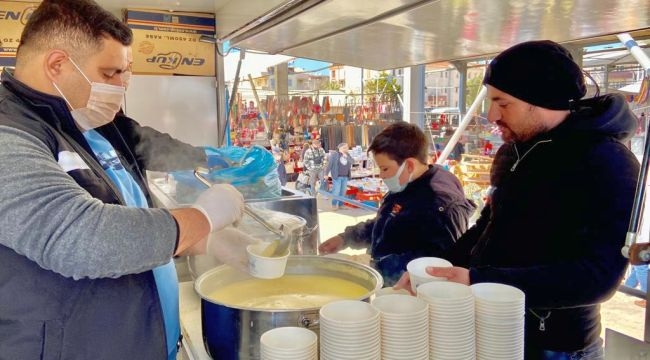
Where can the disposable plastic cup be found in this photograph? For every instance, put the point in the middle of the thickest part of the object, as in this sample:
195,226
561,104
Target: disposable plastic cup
343,312
495,293
401,305
420,325
417,270
390,291
404,353
351,338
445,293
288,343
338,346
265,267
311,355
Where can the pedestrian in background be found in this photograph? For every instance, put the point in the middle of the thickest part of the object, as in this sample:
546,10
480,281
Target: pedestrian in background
339,167
314,164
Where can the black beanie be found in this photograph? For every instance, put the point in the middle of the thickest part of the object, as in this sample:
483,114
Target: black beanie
541,73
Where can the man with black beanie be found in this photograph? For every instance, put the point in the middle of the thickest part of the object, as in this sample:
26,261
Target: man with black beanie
563,186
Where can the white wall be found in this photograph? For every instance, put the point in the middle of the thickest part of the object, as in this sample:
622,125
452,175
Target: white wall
182,106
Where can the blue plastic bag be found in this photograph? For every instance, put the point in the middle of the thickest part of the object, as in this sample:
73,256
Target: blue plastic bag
253,171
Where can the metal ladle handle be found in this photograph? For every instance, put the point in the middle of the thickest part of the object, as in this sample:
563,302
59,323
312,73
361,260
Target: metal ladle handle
247,209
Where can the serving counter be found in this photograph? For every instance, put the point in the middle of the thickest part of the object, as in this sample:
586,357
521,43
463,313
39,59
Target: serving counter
190,314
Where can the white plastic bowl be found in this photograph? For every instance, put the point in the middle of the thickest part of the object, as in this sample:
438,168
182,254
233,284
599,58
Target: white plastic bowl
265,267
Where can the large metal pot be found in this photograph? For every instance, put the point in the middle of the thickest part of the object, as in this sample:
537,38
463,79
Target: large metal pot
234,333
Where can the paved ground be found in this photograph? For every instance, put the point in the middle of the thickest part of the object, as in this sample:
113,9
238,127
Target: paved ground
619,313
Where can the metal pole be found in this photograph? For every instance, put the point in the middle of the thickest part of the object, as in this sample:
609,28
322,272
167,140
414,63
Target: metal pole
462,126
639,197
242,55
637,208
635,50
259,104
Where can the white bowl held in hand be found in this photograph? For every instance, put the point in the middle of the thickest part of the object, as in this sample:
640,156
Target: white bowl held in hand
417,270
265,267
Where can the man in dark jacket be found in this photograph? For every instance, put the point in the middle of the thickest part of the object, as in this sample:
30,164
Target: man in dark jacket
563,186
86,268
423,214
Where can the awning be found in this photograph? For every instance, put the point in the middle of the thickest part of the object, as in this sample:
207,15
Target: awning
632,88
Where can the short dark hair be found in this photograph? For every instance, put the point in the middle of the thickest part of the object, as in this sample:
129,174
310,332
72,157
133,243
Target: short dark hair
400,141
75,26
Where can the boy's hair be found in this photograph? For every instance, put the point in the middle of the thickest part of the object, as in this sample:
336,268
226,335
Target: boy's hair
74,26
400,141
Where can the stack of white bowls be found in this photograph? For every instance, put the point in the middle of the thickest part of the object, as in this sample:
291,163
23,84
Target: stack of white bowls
289,343
349,330
404,327
500,311
451,320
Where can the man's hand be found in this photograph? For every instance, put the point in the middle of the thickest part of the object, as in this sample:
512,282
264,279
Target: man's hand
221,204
228,245
404,283
332,245
454,274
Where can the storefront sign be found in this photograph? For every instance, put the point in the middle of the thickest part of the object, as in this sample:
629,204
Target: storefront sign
168,42
13,17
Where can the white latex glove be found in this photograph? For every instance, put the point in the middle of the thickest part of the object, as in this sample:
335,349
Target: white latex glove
228,245
222,204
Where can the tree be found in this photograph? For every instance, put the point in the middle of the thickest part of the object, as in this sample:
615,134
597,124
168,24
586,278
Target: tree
384,88
473,87
330,85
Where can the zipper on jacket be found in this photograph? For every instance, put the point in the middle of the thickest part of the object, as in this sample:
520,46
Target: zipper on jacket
514,166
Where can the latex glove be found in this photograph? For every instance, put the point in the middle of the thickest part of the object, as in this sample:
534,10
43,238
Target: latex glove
222,204
228,245
332,245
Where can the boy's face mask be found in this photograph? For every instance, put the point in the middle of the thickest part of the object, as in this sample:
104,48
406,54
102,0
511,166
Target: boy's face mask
393,182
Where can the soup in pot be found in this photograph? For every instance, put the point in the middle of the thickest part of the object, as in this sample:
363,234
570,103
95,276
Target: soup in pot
290,292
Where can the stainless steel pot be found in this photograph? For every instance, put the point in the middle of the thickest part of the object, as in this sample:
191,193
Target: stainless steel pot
231,333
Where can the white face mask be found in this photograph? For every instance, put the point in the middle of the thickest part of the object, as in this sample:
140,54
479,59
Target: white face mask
393,182
103,103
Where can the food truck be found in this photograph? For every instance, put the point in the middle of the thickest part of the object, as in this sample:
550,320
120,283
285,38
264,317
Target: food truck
179,86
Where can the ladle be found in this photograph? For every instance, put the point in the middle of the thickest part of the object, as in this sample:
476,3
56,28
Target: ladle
275,248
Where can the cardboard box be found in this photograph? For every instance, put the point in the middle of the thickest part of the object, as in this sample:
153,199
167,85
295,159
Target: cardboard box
13,17
168,42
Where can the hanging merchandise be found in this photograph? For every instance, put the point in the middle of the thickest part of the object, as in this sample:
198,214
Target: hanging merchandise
340,116
270,106
642,96
295,105
326,104
315,110
313,121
